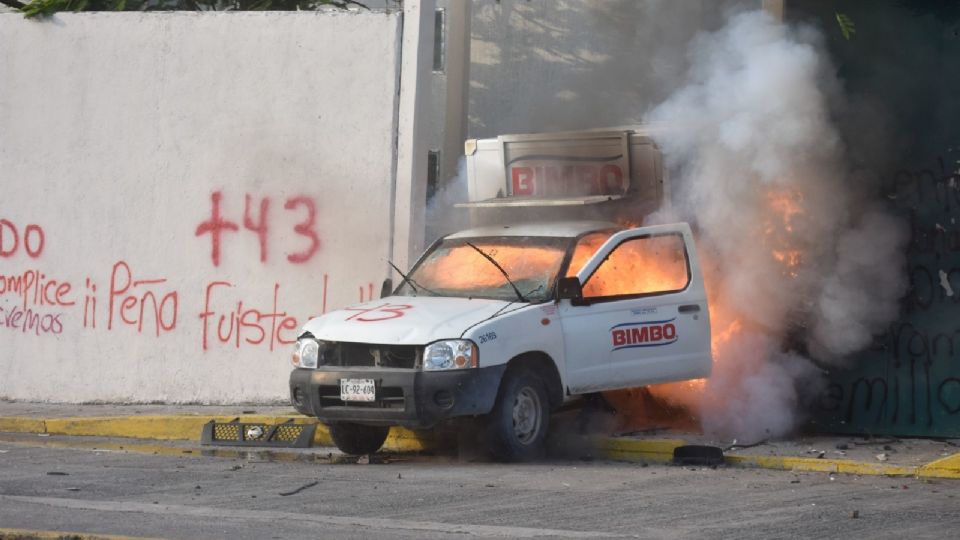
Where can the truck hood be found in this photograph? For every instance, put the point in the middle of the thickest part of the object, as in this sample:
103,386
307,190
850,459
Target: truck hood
403,320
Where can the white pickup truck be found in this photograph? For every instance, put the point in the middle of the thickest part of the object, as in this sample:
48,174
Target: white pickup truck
505,323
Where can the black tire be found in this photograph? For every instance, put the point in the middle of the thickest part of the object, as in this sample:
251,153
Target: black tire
517,426
358,439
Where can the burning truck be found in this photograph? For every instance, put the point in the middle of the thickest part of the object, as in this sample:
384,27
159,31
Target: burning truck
503,324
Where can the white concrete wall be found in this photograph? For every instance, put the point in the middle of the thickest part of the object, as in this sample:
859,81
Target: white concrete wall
117,133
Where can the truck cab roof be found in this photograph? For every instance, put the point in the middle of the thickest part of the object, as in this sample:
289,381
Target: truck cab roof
555,229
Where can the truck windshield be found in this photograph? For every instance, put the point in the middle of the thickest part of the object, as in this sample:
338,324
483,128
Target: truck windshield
453,268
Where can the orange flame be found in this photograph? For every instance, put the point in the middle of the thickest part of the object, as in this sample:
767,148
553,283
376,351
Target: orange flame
463,267
635,267
676,404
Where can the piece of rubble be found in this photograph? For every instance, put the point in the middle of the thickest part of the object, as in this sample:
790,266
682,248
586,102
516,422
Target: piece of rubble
882,457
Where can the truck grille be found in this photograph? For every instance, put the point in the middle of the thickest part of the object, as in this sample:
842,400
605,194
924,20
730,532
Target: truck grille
371,355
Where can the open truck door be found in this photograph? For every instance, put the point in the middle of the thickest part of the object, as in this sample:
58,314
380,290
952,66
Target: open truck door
636,312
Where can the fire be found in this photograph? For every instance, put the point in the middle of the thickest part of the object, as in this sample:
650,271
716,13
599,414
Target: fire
785,209
462,267
637,266
676,404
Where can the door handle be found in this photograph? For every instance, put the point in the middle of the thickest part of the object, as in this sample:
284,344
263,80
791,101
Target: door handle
689,308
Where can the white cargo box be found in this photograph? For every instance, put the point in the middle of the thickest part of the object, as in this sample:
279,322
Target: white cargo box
576,168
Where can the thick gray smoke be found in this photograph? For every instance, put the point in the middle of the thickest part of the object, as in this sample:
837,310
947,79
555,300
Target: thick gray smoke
789,249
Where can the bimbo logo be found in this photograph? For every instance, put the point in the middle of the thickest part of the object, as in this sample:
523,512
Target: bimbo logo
643,334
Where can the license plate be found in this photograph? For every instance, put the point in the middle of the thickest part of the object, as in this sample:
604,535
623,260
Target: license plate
357,390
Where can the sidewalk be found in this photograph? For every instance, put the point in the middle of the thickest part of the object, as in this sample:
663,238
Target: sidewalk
831,454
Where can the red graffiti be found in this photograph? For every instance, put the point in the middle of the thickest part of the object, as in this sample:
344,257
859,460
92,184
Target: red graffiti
215,226
33,239
246,325
369,295
129,299
33,287
30,321
305,228
260,225
393,311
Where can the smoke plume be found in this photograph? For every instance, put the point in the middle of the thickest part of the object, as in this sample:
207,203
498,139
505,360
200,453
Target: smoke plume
792,254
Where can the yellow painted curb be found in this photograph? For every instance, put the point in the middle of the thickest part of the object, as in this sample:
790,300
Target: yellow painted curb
28,534
845,466
161,427
650,450
187,427
661,451
948,467
14,424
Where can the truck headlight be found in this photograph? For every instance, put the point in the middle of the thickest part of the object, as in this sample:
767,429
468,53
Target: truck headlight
450,354
306,353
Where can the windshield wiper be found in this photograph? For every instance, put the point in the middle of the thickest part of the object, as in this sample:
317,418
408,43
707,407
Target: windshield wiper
502,271
404,276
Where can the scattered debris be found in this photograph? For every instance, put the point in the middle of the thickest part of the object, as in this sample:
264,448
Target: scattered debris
73,489
945,283
867,441
57,473
843,446
299,489
795,481
881,457
236,467
363,460
855,514
399,476
734,444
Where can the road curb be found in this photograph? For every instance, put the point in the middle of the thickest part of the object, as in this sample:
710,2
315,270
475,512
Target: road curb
661,451
185,427
31,534
188,427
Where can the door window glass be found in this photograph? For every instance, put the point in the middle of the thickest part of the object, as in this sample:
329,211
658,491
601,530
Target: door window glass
585,250
645,265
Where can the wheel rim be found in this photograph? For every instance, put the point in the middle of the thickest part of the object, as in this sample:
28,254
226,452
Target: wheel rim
526,415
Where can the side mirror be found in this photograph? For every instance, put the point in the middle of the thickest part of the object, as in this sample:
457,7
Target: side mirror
387,288
569,288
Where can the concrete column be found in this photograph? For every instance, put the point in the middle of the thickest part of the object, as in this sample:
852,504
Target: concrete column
457,86
411,174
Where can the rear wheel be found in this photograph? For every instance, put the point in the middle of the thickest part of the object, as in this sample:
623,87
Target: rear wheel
517,426
358,439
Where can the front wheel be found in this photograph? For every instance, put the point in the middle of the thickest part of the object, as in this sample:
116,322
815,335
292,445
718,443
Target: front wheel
517,426
358,439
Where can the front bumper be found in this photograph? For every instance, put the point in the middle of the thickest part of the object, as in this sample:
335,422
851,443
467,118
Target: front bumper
406,397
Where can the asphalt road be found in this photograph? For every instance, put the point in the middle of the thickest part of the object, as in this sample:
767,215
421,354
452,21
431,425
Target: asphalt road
179,493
